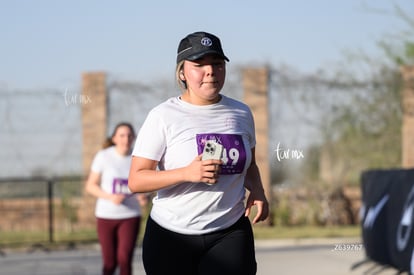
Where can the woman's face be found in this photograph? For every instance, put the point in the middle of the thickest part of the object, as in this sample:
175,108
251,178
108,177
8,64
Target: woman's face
204,78
123,138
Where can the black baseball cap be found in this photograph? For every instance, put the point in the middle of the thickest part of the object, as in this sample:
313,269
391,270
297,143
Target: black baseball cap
198,44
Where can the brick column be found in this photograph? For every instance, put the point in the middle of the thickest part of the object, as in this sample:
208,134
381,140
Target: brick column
407,95
94,116
94,124
256,86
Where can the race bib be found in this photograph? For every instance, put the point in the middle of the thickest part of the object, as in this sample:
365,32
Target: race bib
234,153
120,186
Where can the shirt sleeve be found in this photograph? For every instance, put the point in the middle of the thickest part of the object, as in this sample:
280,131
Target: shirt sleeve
97,163
151,139
251,130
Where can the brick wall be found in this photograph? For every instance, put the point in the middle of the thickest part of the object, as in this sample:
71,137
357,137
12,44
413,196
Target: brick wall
32,215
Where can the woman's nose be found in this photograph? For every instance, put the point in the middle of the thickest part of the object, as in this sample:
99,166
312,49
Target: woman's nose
209,69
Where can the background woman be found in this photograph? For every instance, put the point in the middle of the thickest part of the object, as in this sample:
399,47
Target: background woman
117,211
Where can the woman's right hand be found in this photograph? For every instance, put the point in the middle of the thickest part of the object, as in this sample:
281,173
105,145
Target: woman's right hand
206,171
144,177
117,198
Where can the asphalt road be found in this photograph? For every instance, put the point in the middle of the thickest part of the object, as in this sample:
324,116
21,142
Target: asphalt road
319,257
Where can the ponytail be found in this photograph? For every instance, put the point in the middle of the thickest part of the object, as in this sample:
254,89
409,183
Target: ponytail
108,143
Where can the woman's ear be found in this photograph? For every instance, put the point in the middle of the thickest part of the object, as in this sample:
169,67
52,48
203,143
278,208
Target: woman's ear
182,77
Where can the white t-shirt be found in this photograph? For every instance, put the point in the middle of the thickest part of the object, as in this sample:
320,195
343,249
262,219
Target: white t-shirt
114,171
174,133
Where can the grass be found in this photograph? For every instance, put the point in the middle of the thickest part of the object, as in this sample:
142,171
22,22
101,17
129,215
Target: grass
17,239
299,232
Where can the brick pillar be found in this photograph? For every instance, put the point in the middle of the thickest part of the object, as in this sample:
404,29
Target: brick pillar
256,86
94,114
407,95
94,132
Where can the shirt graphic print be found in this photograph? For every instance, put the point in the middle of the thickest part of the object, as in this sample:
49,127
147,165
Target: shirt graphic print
120,186
234,153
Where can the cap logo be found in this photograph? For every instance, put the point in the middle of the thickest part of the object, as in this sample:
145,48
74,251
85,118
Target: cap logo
205,41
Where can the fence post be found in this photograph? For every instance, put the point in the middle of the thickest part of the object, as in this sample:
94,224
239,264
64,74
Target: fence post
50,204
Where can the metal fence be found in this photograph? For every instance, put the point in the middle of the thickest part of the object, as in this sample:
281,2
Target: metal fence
42,210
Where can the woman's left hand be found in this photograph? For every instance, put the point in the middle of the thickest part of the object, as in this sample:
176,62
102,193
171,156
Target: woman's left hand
258,199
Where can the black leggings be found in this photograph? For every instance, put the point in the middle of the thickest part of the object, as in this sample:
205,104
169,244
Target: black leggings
229,251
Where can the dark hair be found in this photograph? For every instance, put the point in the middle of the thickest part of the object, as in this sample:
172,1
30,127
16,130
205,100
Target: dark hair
108,141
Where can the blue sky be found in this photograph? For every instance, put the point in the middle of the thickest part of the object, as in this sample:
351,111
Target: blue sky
48,44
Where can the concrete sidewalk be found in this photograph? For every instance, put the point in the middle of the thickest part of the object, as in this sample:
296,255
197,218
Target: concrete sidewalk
305,256
315,257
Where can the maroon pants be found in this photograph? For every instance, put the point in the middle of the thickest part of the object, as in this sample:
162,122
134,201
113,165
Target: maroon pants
118,239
